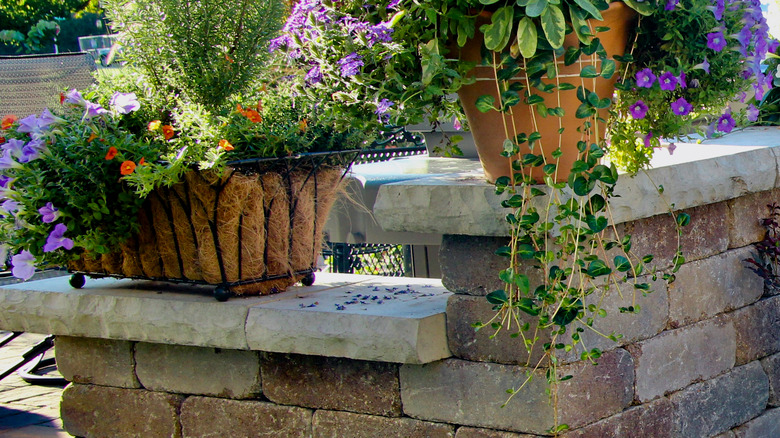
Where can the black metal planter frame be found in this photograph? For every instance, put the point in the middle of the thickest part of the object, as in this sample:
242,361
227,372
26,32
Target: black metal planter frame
284,166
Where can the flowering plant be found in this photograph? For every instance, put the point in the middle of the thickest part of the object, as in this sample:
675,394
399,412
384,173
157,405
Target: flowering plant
690,60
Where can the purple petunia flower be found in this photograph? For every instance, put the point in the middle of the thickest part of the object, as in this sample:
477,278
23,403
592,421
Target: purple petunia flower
456,124
716,41
73,96
671,148
638,110
93,110
670,5
279,42
681,107
7,161
720,7
752,113
668,81
49,213
47,119
9,207
383,106
32,151
57,239
124,103
705,65
393,4
5,181
645,78
743,37
681,80
647,139
31,125
726,123
14,146
23,266
350,64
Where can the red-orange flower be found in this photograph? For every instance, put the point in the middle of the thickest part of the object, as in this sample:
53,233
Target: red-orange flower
167,132
127,168
142,162
224,144
254,116
111,153
303,125
62,97
8,121
2,140
91,137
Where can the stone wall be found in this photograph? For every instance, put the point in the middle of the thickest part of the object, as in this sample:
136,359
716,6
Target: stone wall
702,359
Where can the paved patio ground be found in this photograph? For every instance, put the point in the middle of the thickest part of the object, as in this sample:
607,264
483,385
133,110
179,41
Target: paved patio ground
26,410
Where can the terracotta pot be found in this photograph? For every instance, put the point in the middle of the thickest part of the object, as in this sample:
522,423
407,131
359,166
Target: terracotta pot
488,128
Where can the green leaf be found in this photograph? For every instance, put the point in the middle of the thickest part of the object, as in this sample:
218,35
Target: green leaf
497,297
597,268
526,251
485,103
579,166
584,111
590,8
622,264
579,24
534,99
528,306
522,283
504,251
608,68
643,7
498,32
535,8
596,223
582,186
554,25
683,219
589,71
526,37
510,148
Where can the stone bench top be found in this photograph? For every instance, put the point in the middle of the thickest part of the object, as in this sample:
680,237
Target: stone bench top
389,319
460,201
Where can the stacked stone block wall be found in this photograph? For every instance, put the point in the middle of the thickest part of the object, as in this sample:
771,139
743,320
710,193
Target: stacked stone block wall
702,359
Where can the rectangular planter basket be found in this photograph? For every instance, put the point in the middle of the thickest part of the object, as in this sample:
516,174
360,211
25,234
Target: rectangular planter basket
255,230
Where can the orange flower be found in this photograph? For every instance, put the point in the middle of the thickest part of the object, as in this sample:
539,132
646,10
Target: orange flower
2,140
111,153
154,125
142,162
91,137
8,121
303,125
228,58
224,144
62,97
254,116
167,132
127,168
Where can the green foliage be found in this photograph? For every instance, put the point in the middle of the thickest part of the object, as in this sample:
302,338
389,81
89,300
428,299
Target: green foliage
207,50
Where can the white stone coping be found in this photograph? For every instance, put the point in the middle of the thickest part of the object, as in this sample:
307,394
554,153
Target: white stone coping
338,316
462,202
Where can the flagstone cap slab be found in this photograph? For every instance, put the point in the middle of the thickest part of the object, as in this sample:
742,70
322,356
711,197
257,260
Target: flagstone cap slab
463,202
386,319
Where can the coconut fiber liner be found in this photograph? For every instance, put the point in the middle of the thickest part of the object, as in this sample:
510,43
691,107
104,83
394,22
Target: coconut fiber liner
255,232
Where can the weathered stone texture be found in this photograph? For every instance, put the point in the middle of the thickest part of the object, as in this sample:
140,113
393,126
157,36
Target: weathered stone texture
205,417
473,432
765,426
97,361
471,393
744,215
198,370
469,264
706,235
711,286
676,358
100,411
758,330
771,366
651,420
331,424
332,383
595,391
467,343
717,405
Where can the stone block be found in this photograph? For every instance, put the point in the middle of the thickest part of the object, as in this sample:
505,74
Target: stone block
467,343
218,417
676,358
705,236
198,370
469,264
96,361
473,432
332,424
100,411
651,420
472,393
714,285
771,366
717,405
744,215
595,391
332,383
758,330
764,426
